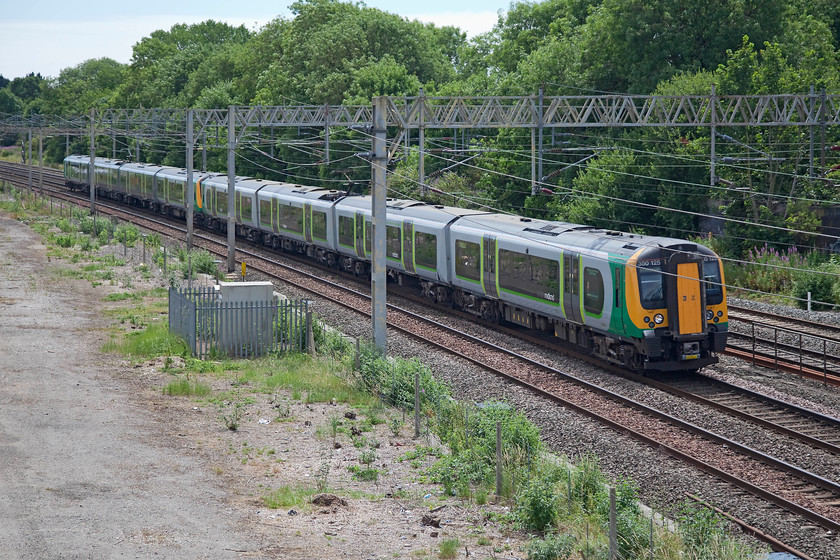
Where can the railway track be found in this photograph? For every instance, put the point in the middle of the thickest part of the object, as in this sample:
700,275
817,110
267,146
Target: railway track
810,496
791,344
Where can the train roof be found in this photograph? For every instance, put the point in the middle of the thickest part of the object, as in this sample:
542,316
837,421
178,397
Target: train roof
144,168
565,234
300,191
411,209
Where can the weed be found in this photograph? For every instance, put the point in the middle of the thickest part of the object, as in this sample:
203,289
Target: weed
553,547
231,416
323,471
396,425
366,475
186,388
449,548
287,496
367,457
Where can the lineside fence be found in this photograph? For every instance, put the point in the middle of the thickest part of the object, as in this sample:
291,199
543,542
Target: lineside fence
212,327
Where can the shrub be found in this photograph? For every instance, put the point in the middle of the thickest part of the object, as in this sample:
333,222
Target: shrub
553,547
537,504
821,286
449,548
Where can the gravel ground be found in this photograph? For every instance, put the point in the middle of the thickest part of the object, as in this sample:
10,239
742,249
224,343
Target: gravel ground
96,462
662,480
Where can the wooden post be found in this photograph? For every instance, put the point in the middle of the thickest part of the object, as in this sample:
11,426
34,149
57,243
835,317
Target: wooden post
498,458
613,529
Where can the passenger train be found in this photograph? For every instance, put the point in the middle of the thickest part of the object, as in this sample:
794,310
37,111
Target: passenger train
646,303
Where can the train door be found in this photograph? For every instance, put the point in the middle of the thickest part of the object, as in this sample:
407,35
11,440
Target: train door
690,319
307,222
408,246
618,299
359,227
571,285
488,278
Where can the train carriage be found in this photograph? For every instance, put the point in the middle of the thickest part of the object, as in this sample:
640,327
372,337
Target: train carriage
139,181
212,199
76,171
297,218
647,303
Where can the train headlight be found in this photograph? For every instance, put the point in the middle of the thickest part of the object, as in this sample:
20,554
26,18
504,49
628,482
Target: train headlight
646,319
720,313
658,318
709,314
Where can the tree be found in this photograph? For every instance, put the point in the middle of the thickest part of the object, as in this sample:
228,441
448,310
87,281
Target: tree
162,63
632,45
93,83
9,103
28,88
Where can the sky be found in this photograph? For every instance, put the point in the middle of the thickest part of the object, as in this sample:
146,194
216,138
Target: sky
46,36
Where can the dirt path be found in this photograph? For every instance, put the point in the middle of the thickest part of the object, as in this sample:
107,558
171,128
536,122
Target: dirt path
85,472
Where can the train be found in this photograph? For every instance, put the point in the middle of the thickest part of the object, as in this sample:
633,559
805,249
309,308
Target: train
645,303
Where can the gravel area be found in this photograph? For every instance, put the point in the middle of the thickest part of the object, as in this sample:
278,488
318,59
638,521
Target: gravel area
662,480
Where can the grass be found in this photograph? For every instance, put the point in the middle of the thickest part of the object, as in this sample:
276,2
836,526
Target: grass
449,548
185,387
301,374
151,342
288,496
298,495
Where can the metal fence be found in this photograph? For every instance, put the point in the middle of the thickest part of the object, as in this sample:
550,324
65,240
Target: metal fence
212,327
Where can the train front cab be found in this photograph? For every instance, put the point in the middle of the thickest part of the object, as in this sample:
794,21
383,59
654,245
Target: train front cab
677,306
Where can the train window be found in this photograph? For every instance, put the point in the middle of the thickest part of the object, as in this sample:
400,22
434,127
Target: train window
245,206
425,250
572,284
319,225
345,231
221,202
393,242
368,237
593,291
468,260
714,287
290,218
651,287
265,212
176,192
528,275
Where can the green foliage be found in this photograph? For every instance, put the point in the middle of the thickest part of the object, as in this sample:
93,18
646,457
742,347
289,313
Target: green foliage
699,528
151,342
449,548
774,271
231,415
823,290
127,234
553,547
185,387
287,496
393,380
537,505
367,474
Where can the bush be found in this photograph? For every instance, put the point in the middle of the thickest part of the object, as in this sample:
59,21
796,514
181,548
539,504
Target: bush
126,234
553,547
393,380
65,240
588,485
700,528
537,504
821,286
